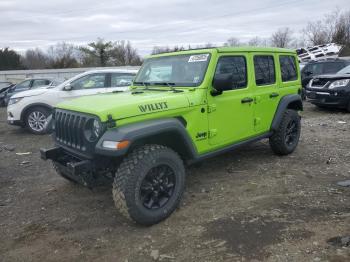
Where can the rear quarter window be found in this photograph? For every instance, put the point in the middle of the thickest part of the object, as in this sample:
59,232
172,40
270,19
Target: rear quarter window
288,68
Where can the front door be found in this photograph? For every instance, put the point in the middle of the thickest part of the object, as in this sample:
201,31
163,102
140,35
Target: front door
86,85
231,113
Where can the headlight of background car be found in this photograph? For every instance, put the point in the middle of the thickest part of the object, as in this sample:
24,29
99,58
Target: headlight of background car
339,83
93,130
14,100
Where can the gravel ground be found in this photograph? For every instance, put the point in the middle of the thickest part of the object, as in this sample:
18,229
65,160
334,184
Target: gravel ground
247,205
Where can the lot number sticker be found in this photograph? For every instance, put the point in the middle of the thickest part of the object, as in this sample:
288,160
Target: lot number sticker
198,58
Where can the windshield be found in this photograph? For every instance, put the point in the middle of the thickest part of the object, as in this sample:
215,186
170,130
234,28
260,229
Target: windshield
178,70
345,70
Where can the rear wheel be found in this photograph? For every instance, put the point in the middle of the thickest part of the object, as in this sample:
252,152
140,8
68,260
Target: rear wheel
36,120
285,139
149,184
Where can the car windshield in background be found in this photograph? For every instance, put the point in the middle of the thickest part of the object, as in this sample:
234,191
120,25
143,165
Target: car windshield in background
179,70
345,70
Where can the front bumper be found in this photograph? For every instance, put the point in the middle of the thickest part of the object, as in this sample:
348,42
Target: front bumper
78,170
14,115
327,98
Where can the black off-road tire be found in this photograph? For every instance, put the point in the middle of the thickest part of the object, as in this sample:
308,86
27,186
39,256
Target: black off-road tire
42,110
279,143
130,176
61,173
348,108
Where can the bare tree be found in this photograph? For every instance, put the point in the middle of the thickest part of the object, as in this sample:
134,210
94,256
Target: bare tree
232,41
282,37
257,41
35,59
334,27
63,55
341,33
316,33
122,53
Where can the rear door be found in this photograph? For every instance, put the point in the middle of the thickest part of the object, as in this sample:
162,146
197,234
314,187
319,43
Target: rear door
119,81
40,83
266,92
230,114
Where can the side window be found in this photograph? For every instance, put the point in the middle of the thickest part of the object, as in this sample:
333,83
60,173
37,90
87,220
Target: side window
288,68
121,79
89,82
264,67
39,82
316,69
331,68
23,85
235,68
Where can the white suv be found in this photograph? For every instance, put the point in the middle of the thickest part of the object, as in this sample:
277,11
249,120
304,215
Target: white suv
31,108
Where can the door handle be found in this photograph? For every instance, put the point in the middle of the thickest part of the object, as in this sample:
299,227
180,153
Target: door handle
274,95
247,100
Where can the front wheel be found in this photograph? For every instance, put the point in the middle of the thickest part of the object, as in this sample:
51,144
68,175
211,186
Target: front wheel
285,139
36,120
149,184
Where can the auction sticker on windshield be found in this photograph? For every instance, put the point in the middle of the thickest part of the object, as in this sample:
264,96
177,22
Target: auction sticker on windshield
198,58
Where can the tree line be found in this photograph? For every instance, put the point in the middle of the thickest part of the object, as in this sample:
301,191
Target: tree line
100,53
333,27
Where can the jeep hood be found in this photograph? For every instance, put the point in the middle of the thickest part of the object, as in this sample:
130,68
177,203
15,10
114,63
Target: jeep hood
127,104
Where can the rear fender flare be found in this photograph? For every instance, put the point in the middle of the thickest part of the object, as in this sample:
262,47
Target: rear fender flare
287,102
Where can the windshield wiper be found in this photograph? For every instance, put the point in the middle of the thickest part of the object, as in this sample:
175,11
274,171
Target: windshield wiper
170,85
145,84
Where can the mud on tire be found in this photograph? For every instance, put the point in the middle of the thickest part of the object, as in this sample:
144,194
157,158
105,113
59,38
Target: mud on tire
141,183
285,139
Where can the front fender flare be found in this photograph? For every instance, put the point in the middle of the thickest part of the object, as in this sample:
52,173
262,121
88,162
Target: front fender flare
143,130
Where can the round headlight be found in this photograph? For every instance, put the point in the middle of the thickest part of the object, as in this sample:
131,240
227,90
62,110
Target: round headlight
93,129
96,128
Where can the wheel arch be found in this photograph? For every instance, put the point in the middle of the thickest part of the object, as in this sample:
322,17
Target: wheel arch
170,132
293,102
28,107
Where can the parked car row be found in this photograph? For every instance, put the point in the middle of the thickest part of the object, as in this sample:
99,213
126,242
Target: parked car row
31,108
27,84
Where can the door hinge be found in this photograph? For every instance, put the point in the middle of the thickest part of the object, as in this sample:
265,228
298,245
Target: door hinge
211,108
212,133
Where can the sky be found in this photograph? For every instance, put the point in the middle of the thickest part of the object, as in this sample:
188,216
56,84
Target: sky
28,24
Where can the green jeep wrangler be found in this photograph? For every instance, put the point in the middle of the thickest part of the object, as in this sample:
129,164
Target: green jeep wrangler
182,108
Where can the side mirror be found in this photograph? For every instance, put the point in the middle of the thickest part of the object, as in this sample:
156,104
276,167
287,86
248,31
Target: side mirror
221,83
67,87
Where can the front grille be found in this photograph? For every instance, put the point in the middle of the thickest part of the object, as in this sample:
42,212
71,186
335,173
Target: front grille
69,128
319,82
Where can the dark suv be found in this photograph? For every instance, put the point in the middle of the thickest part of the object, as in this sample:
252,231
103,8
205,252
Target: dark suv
323,67
332,90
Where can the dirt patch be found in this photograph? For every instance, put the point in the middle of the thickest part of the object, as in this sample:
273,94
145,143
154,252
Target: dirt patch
244,205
